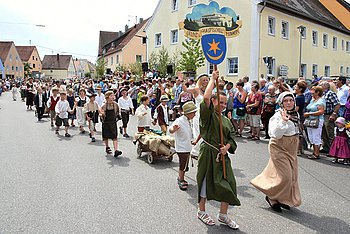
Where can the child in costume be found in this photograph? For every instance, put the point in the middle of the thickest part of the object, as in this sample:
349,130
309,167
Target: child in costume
182,130
340,145
210,179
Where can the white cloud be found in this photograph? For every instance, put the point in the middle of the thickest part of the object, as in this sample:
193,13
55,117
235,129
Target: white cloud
71,26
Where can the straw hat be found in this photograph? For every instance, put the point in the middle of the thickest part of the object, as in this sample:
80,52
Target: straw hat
189,107
98,87
54,89
164,98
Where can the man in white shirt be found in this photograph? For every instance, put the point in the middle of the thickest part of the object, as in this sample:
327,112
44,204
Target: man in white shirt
343,93
247,86
182,130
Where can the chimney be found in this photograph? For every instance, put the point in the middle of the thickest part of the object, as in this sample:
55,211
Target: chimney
58,57
126,27
120,33
141,20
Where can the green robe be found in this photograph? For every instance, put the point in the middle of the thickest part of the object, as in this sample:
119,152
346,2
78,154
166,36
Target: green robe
218,188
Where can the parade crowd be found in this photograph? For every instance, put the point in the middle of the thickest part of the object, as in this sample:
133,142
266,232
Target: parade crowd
293,119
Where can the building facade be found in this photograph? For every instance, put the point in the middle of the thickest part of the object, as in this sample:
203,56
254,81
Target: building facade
58,67
270,41
30,55
128,48
12,63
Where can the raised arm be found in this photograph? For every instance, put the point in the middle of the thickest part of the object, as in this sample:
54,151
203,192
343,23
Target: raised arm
209,90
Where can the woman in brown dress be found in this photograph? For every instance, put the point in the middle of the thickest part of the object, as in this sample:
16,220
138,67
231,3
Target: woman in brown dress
279,179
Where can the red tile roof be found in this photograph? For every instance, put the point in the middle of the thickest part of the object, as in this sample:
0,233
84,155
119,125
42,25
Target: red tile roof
56,62
25,52
104,38
5,47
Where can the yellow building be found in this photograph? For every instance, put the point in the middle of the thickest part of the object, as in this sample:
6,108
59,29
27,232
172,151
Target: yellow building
30,55
12,63
276,37
58,67
125,48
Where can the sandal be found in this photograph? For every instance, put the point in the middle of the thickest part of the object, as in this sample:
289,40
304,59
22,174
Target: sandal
313,156
183,185
224,219
108,150
205,218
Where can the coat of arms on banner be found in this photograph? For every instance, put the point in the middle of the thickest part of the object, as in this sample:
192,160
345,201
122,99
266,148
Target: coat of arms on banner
212,25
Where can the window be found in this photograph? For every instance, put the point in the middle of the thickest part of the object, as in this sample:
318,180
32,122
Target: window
232,66
271,26
10,58
138,58
341,71
348,46
303,70
13,68
17,58
314,69
271,66
20,69
175,5
7,68
111,60
285,29
303,33
327,71
17,69
117,59
348,71
335,43
33,65
158,39
174,36
342,44
210,68
325,40
192,2
33,57
36,59
315,38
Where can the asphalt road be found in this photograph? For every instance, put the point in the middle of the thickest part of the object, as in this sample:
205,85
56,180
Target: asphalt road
53,184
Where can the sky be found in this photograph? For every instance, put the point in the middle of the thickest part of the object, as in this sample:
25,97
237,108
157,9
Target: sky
71,26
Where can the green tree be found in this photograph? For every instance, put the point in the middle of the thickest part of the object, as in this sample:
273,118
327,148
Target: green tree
192,58
100,67
136,69
163,61
87,74
153,60
120,68
175,60
27,70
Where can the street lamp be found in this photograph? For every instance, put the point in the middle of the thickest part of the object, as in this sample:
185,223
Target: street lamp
301,29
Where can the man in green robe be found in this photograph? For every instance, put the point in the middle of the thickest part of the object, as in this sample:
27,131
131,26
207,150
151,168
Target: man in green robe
210,177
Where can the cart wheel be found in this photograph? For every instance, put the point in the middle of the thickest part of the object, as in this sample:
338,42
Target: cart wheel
139,150
170,159
150,159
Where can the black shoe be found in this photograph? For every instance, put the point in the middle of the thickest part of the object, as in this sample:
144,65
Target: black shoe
56,132
90,135
93,139
267,137
324,151
284,206
120,130
117,153
335,160
51,125
276,207
126,135
67,135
